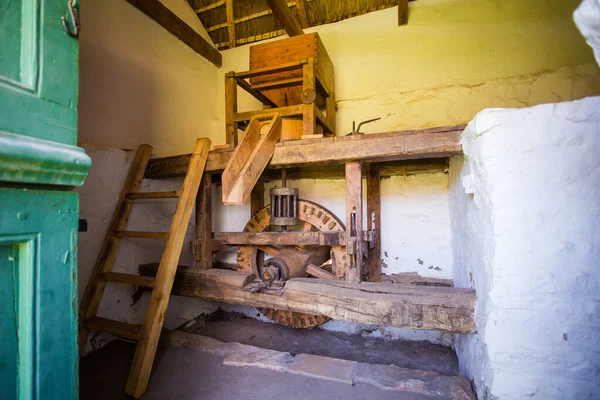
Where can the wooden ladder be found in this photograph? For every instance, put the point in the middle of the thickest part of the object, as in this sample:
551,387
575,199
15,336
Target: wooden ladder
249,160
147,334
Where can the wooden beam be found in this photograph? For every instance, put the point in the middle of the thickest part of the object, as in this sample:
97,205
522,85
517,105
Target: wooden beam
257,202
353,268
398,305
204,243
172,23
231,126
283,13
257,95
319,272
282,238
378,147
216,4
374,222
402,12
230,23
272,69
413,278
302,8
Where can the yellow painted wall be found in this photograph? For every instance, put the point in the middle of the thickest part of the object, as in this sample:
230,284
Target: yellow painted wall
453,59
140,84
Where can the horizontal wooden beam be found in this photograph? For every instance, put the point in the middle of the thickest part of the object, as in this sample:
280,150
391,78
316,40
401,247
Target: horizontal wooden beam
379,147
281,238
282,12
172,23
398,305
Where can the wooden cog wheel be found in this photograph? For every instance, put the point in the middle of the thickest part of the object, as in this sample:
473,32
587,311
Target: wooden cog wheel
313,217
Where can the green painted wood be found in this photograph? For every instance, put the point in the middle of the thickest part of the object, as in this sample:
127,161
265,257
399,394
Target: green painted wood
38,71
38,294
32,160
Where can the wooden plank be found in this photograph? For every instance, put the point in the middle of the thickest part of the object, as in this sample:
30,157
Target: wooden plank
353,268
283,13
231,104
172,23
302,7
238,183
118,328
159,300
272,69
153,195
413,278
230,23
257,95
282,238
432,143
106,257
278,84
374,222
319,272
404,306
402,12
128,279
203,245
240,157
288,111
329,127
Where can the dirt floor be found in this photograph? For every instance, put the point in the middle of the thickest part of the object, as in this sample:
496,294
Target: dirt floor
189,373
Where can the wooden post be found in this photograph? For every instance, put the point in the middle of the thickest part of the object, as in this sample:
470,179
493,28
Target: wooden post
230,23
257,199
330,110
354,221
374,218
402,12
231,127
309,95
203,243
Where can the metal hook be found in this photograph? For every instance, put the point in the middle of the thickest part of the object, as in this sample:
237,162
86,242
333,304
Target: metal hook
74,18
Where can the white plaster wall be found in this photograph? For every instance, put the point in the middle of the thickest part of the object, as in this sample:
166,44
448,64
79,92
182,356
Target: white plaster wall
526,233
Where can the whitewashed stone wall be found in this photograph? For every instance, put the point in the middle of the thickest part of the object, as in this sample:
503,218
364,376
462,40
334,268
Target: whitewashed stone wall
525,216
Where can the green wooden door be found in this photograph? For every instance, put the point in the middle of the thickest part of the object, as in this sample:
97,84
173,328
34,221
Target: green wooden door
39,164
38,300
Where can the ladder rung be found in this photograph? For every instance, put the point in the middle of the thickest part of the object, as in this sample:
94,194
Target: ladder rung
142,235
153,195
118,328
128,279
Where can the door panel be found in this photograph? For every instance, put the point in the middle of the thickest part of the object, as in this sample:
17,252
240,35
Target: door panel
38,294
17,288
38,70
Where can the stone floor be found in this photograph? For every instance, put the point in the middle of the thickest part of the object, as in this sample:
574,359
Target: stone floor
247,359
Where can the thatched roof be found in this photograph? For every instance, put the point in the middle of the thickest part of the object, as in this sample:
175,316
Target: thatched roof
254,20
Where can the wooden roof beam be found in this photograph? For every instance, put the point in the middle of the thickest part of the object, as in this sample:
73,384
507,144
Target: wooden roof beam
402,12
301,7
172,23
285,16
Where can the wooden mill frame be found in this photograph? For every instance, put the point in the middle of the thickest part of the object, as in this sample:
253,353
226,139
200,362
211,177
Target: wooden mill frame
313,86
